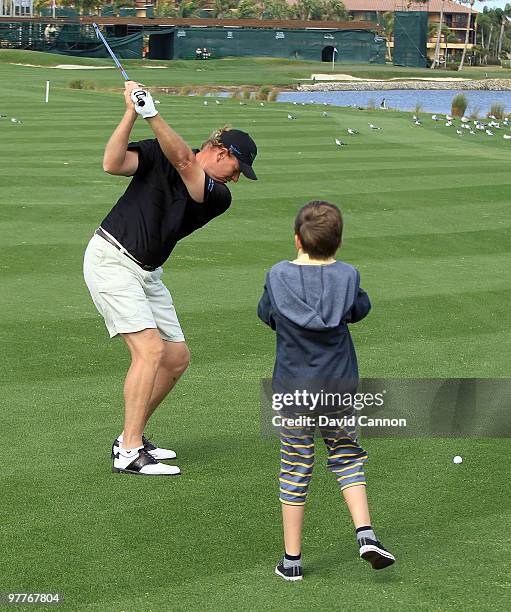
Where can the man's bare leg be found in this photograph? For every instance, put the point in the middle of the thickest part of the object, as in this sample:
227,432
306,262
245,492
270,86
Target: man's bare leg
174,361
146,348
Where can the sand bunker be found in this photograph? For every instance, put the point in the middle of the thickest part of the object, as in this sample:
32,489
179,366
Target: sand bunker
78,67
349,77
334,77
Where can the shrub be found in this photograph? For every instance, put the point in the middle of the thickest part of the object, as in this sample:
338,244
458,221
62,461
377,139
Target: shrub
474,113
263,93
452,66
497,110
418,108
273,95
246,93
371,104
80,84
203,90
186,90
459,105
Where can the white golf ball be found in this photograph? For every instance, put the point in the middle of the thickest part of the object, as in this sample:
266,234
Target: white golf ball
457,459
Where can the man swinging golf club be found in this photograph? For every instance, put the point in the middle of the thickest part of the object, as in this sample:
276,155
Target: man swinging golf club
174,191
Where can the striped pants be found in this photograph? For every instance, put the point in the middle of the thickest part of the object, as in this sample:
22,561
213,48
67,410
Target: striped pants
346,460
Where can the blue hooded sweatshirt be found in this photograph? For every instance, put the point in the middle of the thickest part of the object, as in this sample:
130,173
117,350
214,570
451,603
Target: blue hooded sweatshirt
309,307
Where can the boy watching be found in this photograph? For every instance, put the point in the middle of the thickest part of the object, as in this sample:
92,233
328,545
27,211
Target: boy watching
309,303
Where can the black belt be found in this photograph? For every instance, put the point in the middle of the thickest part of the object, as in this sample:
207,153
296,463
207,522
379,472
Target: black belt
101,232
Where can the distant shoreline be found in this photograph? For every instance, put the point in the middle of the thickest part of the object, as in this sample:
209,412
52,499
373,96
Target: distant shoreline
482,85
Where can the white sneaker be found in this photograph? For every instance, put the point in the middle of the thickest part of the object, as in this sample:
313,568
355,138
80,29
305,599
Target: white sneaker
138,461
152,449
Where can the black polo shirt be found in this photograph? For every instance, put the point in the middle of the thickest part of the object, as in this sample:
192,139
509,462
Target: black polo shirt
156,209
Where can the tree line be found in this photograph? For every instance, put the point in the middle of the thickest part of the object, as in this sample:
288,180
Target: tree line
304,10
493,35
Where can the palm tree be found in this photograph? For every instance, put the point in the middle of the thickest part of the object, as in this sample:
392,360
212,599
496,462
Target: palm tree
436,60
247,9
467,34
503,20
275,9
304,9
222,9
320,10
388,30
483,23
334,10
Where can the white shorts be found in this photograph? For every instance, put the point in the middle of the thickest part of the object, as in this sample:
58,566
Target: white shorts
129,299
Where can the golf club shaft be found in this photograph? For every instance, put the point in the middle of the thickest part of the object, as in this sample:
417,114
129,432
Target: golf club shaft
112,54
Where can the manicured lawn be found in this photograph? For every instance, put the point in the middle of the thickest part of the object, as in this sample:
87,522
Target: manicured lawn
428,225
228,71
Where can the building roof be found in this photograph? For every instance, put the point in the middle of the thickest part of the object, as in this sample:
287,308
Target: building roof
433,6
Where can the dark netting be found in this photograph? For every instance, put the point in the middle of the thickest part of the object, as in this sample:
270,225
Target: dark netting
410,38
353,46
67,39
73,40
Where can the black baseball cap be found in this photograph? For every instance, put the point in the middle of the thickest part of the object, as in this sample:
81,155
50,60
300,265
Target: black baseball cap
243,148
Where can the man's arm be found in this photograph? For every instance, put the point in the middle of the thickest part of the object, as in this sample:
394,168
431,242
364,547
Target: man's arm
173,146
180,156
117,159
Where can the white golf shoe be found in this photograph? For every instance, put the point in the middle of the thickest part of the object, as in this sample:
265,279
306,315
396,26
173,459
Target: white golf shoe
140,462
158,453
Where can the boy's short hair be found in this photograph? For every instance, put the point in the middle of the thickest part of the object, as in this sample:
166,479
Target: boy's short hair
319,227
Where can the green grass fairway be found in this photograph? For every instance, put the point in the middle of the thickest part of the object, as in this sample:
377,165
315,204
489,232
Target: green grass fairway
428,221
227,71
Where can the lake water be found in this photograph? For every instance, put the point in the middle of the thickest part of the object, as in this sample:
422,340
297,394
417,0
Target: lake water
435,101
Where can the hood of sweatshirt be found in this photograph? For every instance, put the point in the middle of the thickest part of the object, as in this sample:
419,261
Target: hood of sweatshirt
315,297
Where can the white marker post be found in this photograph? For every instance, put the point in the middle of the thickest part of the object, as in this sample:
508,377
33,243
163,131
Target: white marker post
333,58
47,97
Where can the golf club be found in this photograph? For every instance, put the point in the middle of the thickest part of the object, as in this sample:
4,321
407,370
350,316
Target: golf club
141,102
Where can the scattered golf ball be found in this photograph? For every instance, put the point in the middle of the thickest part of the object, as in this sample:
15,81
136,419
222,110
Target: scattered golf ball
457,459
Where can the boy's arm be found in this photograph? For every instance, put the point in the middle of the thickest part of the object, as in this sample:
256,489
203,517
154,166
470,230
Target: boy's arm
361,307
265,310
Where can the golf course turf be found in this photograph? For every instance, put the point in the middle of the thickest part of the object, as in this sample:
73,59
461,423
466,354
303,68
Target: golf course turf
427,223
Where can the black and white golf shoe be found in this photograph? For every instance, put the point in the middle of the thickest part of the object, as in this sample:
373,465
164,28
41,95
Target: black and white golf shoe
152,449
140,462
375,553
289,573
